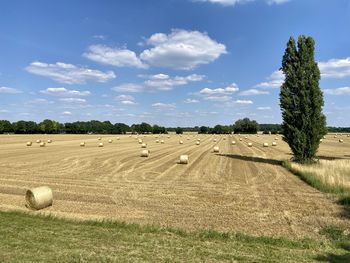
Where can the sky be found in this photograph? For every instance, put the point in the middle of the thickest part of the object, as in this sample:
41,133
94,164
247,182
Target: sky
166,62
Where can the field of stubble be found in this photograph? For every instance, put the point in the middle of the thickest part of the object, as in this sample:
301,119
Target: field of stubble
241,189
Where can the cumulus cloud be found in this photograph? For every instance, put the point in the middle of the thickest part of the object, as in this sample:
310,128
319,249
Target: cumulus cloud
275,80
220,91
63,92
253,92
243,102
335,68
338,91
73,100
7,90
165,82
66,113
263,108
218,98
164,106
68,73
277,2
119,57
126,99
234,2
182,49
189,101
128,87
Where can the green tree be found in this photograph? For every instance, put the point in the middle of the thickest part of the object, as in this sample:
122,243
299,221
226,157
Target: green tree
179,130
246,126
301,100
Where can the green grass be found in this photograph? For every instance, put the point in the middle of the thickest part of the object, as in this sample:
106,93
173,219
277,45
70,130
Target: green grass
33,238
342,193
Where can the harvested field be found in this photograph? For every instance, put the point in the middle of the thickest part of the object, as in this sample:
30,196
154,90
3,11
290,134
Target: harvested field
240,189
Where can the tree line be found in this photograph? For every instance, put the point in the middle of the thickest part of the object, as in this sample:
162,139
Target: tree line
106,127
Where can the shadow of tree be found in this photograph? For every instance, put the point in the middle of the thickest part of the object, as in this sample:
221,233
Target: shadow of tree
252,159
345,203
333,258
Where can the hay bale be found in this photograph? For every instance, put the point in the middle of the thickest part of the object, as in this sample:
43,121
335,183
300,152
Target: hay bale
245,137
39,197
110,141
157,141
29,143
140,141
250,144
100,144
99,138
198,143
276,138
335,136
214,140
240,139
118,138
82,144
265,144
162,141
42,144
199,139
224,138
38,141
144,153
49,141
324,137
233,142
321,140
216,149
143,145
184,159
341,140
274,143
181,142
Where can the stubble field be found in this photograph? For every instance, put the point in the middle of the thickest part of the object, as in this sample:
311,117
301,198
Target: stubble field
240,189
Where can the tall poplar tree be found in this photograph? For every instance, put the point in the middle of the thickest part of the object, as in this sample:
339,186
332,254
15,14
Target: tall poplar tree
301,100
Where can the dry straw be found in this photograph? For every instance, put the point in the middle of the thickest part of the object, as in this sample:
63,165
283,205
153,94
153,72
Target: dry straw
29,143
99,138
40,197
233,142
265,144
162,141
214,140
49,141
140,141
38,141
216,149
82,144
110,141
157,141
143,145
274,143
250,144
144,153
184,159
198,143
341,140
42,144
181,142
100,144
118,138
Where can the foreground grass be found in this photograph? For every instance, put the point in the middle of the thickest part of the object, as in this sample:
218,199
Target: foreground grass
28,238
326,176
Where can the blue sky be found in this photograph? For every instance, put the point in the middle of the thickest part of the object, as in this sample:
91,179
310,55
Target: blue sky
173,63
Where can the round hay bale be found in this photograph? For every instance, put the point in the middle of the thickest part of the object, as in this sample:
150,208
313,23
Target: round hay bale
144,153
214,140
250,144
39,197
348,135
274,143
168,137
335,136
199,139
245,137
184,159
181,142
157,141
341,140
324,137
42,144
162,141
100,144
198,143
233,142
110,141
240,139
216,149
118,138
321,140
276,138
99,138
143,145
29,143
265,144
82,144
38,141
140,141
224,138
49,141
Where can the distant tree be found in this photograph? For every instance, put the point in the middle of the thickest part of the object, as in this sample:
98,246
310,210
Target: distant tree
49,126
179,130
5,126
156,129
301,100
246,126
203,129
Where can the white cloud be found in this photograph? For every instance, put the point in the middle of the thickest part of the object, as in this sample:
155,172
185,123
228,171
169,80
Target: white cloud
182,49
243,102
275,80
40,101
126,99
277,2
164,106
263,108
66,113
7,90
188,101
338,91
335,68
234,2
68,73
4,111
63,92
253,92
218,98
102,37
119,57
73,100
220,91
128,87
165,82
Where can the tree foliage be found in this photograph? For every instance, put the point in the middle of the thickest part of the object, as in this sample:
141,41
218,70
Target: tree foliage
246,126
301,100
